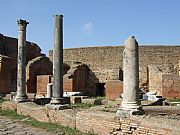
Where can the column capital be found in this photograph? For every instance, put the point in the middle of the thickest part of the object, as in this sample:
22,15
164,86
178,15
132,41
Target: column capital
60,16
22,24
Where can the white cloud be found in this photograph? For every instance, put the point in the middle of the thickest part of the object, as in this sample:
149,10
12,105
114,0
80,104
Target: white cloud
88,26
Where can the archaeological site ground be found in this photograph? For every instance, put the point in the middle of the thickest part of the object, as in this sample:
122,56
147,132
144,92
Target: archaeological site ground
116,90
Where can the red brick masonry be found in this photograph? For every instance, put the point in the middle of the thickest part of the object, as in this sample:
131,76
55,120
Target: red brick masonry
102,123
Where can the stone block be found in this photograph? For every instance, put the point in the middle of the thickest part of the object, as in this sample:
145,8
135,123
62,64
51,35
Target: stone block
75,99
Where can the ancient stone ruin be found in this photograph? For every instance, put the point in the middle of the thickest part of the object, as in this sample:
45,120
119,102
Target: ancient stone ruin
122,79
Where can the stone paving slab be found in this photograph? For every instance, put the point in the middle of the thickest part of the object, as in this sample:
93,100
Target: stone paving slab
14,127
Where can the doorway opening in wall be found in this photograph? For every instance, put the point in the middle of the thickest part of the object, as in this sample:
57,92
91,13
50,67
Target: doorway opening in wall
100,89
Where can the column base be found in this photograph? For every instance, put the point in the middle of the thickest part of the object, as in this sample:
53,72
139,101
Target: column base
130,105
57,101
21,98
58,104
129,108
126,112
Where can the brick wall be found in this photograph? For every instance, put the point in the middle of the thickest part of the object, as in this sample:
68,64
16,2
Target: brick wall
114,89
170,86
9,48
165,84
68,85
39,66
102,123
135,127
42,81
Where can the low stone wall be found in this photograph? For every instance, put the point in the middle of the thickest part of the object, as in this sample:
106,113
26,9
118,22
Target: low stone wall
135,127
102,123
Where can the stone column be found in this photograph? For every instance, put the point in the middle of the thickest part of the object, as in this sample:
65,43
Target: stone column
58,60
130,104
21,73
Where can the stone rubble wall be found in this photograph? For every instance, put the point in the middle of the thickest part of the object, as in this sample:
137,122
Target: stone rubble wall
164,82
101,123
111,57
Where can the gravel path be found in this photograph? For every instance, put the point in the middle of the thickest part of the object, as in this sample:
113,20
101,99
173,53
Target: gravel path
13,127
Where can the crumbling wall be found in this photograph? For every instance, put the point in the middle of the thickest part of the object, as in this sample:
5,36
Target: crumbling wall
9,48
5,74
170,86
38,66
155,79
79,79
42,79
164,82
111,57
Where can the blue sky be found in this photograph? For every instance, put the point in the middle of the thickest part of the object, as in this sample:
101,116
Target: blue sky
94,22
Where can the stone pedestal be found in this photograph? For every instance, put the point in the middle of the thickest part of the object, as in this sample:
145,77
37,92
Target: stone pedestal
130,104
21,73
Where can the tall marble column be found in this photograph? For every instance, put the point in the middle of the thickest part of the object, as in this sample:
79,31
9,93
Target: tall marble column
21,72
58,60
130,104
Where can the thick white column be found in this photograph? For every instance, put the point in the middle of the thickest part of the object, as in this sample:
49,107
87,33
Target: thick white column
21,73
130,104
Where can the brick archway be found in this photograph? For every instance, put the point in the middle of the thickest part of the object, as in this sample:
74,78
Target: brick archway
38,66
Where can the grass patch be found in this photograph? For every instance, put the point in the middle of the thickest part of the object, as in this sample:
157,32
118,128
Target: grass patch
175,100
11,114
52,127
